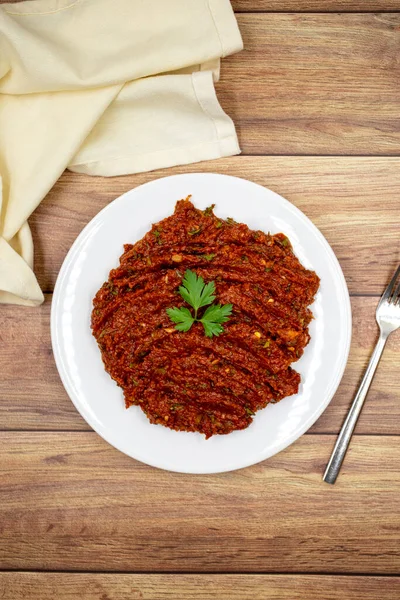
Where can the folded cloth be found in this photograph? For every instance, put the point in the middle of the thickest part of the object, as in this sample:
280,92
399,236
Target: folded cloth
102,87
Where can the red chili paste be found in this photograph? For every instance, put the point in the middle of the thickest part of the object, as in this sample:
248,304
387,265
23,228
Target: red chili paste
185,380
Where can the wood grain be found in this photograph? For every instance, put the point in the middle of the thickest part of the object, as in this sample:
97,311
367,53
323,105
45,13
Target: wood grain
100,586
354,201
299,6
315,84
32,396
72,502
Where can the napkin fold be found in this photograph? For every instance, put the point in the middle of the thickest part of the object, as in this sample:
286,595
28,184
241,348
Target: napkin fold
102,87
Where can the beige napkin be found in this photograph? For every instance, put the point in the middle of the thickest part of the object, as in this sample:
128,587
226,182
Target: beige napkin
103,87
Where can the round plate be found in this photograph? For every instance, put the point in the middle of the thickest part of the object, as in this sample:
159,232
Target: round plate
99,400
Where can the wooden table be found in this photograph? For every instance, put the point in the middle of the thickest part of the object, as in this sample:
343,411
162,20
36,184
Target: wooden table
316,99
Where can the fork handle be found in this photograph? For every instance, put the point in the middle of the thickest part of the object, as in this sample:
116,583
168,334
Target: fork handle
343,441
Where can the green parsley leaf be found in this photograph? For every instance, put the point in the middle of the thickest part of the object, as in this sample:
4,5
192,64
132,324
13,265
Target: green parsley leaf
195,292
217,313
198,294
211,328
182,317
213,317
207,295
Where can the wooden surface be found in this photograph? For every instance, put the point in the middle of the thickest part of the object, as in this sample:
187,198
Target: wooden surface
315,5
316,84
316,100
37,586
70,502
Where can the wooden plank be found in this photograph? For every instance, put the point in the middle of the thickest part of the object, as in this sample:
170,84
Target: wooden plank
315,5
354,201
32,396
71,502
100,586
315,84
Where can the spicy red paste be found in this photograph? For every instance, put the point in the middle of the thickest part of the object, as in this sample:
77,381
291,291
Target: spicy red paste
184,380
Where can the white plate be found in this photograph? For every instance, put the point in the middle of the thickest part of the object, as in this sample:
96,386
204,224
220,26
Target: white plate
98,399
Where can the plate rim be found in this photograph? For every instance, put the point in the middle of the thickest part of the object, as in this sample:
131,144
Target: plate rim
62,371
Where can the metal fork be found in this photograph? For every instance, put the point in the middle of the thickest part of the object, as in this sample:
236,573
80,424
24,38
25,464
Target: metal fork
388,319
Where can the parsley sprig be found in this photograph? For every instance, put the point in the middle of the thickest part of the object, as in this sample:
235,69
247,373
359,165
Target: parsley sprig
199,294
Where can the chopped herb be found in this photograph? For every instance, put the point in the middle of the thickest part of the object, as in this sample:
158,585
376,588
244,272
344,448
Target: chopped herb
134,381
157,235
249,411
113,290
209,210
267,343
268,269
105,332
218,224
207,256
148,261
194,231
230,221
244,258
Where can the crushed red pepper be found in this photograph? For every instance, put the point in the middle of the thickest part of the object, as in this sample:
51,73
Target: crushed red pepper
184,380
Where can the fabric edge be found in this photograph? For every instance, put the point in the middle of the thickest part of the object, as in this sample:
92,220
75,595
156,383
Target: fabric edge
130,165
226,25
224,144
37,7
205,93
18,284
